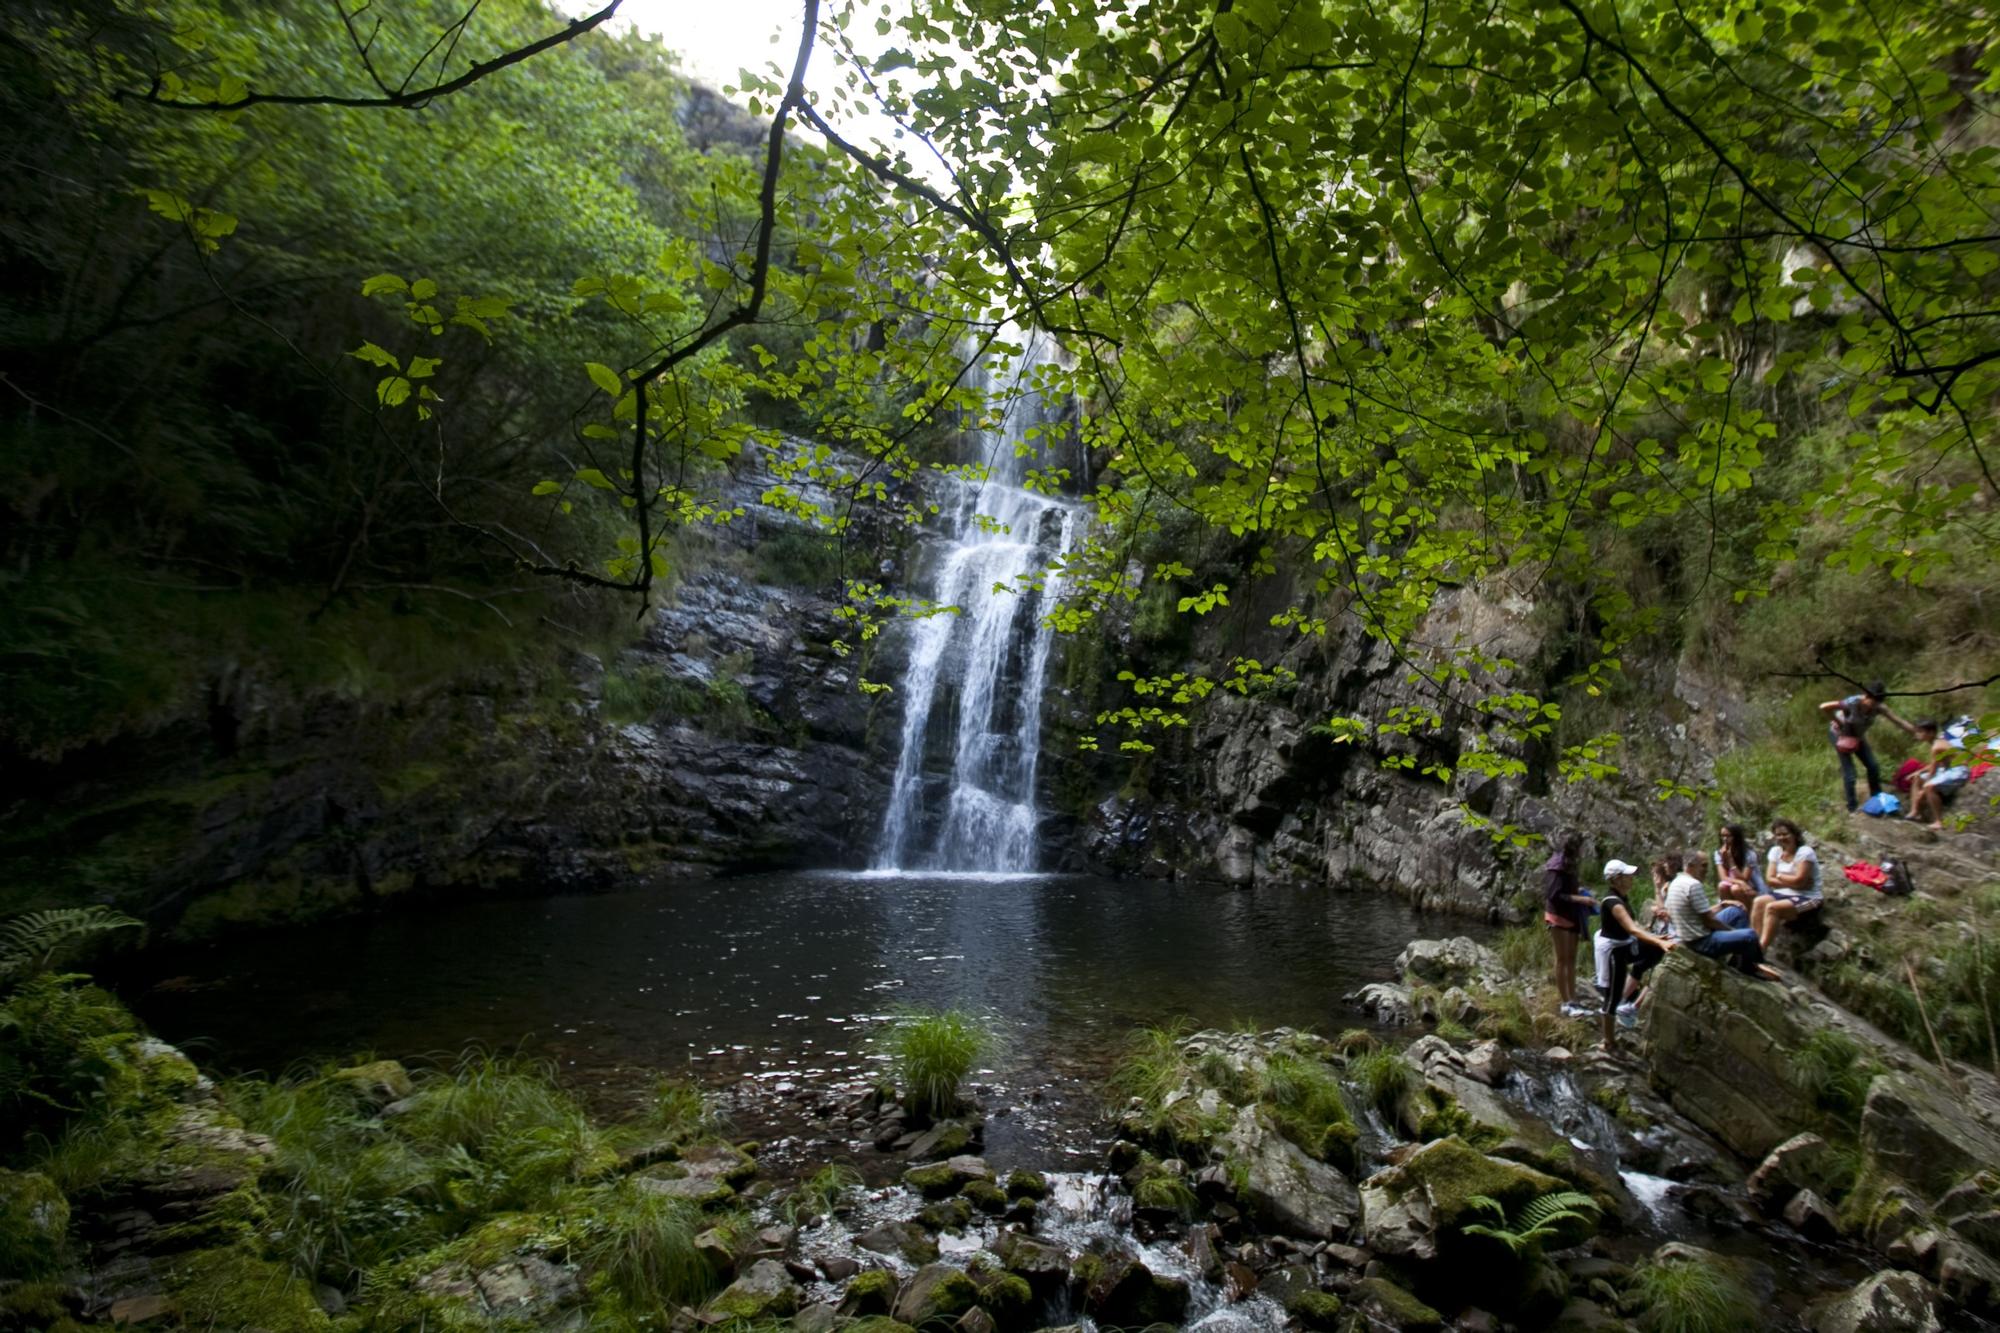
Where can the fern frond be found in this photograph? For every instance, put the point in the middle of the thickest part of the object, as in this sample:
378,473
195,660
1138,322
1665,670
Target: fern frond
32,940
1514,1241
1561,1206
1486,1203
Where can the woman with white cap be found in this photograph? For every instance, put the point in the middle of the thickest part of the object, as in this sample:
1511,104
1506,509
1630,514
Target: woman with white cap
1634,949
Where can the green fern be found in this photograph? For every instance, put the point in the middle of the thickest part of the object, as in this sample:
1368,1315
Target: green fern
1562,1216
30,942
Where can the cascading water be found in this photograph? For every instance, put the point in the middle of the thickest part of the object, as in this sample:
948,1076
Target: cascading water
996,649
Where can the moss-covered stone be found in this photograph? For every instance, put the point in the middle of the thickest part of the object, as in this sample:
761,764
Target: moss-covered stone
870,1292
878,1324
946,1215
1027,1185
1314,1309
1394,1306
1163,1193
936,1291
764,1291
984,1195
34,1220
379,1081
933,1182
1008,1298
233,1289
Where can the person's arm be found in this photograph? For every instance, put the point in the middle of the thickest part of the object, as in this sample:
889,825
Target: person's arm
1639,932
1831,708
1799,875
1890,713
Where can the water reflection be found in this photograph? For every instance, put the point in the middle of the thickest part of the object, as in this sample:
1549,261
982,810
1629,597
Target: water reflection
785,976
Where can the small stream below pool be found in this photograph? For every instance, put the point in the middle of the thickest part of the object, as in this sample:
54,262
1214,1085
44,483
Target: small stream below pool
775,988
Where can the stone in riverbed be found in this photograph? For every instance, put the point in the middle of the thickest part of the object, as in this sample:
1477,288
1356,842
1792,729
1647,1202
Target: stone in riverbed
1285,1188
1387,1303
1027,1185
905,1240
941,1180
1812,1217
1921,1134
764,1291
935,1292
1043,1266
1800,1162
870,1293
947,1138
706,1174
1453,962
1886,1303
379,1082
1121,1292
1409,1210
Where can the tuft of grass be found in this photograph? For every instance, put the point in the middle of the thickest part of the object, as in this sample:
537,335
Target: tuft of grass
682,1111
1833,1069
821,1192
934,1051
1523,950
1165,1194
1384,1076
792,558
641,1245
1688,1297
1307,1104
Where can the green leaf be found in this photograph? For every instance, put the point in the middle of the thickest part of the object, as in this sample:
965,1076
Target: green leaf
590,476
383,282
547,487
422,367
605,378
376,356
392,391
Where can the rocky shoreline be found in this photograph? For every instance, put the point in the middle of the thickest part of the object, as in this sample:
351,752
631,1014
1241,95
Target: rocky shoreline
1484,1176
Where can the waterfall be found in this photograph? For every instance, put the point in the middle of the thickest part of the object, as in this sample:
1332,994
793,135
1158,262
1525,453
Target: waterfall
996,650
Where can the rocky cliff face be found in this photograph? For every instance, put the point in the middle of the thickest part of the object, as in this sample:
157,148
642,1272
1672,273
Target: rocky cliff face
726,736
1251,793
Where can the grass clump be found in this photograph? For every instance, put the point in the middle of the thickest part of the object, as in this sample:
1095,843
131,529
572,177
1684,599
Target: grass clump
1834,1070
792,558
1691,1296
1384,1076
1163,1193
1307,1104
821,1192
638,1248
1523,950
680,1110
933,1053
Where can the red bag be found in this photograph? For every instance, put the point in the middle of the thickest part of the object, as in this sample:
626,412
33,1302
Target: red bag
1847,744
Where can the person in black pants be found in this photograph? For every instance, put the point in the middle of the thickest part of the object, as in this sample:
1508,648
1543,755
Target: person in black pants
1634,949
1848,721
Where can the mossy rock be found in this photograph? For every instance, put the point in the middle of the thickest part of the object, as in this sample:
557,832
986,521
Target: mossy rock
878,1324
1008,1298
765,1291
34,1220
935,1292
870,1292
984,1195
946,1215
933,1182
1314,1309
1452,1173
1164,1194
1394,1306
1027,1185
378,1082
231,1289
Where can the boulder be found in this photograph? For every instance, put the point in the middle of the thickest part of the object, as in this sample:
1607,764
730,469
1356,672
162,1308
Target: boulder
1967,1277
1718,1045
1027,1185
1410,1210
1922,1134
1454,962
1390,1004
941,1180
1812,1217
1803,1161
935,1292
764,1291
905,1240
1892,1302
706,1174
1043,1266
1487,1063
819,1317
1386,1303
870,1293
947,1138
1283,1187
1121,1292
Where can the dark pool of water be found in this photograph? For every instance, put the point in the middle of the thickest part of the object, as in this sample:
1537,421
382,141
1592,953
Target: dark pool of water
780,982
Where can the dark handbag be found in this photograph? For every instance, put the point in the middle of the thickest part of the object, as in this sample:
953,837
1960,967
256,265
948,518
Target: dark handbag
1896,879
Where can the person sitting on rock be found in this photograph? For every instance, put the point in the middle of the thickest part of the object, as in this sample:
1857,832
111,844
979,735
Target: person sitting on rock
1565,908
1937,781
1792,874
1634,949
1737,878
1714,932
1848,721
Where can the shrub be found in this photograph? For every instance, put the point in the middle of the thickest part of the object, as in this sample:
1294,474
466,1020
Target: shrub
1691,1296
1384,1076
64,1045
933,1054
791,558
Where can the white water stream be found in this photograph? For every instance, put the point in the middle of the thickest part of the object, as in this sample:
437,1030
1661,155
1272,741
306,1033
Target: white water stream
994,652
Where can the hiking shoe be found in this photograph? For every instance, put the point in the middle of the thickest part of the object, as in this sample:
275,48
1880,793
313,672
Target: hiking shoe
1577,1009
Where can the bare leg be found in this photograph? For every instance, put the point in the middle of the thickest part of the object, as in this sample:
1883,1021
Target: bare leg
1565,947
1776,914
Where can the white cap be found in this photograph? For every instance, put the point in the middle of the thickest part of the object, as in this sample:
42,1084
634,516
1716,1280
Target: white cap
1617,867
